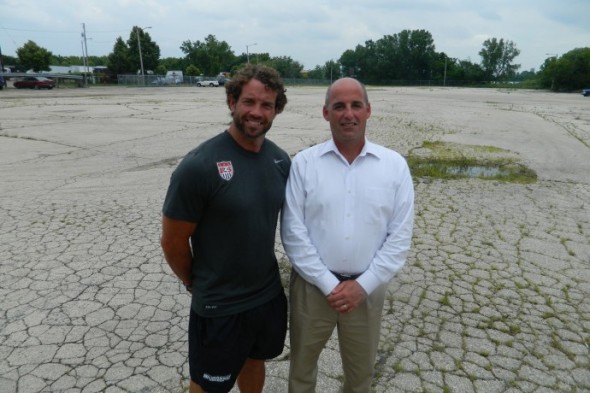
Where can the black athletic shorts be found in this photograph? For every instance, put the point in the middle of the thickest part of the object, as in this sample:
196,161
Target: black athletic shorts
218,347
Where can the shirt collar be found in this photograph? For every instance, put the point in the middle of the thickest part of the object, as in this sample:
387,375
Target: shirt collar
368,148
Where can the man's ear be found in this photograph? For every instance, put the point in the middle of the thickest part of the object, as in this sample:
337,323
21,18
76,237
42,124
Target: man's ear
325,112
231,103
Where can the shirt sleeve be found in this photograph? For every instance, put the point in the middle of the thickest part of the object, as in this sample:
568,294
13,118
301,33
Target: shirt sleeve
391,256
302,253
186,193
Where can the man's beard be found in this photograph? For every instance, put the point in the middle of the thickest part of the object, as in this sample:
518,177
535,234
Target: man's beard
243,130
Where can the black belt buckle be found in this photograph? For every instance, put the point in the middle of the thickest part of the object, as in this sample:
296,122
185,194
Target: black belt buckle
345,277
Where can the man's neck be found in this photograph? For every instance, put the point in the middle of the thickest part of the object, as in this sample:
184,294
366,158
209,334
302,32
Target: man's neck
350,151
250,144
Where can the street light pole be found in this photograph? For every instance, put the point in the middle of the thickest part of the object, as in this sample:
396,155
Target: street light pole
247,52
139,47
554,57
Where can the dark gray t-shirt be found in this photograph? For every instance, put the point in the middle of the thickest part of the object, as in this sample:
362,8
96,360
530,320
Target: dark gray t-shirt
235,197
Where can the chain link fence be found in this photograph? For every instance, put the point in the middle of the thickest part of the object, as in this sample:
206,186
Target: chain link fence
161,80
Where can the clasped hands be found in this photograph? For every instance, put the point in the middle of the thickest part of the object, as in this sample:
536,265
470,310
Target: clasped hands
346,296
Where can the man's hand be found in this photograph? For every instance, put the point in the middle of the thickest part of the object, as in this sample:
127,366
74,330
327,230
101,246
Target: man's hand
346,296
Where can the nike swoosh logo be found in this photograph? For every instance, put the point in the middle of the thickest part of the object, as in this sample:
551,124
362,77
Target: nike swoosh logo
278,161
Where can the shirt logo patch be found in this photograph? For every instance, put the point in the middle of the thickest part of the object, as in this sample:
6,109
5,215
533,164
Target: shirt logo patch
226,170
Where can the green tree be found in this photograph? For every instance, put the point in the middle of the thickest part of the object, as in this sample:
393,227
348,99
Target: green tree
350,61
9,61
367,67
210,56
32,56
255,57
161,70
497,57
409,55
467,71
192,70
150,51
568,72
286,66
415,54
118,60
330,71
173,63
78,60
316,73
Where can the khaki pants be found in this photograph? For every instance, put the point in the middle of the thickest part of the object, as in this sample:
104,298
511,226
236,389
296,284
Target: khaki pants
312,322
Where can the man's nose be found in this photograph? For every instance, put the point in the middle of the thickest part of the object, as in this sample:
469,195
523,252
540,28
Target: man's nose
256,110
348,112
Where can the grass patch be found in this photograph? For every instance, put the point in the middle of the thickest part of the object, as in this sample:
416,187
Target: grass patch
453,161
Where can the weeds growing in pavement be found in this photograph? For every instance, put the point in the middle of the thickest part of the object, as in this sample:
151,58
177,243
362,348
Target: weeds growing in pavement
453,161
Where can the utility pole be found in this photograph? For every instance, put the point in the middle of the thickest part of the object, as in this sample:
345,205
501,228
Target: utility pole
445,77
85,54
139,48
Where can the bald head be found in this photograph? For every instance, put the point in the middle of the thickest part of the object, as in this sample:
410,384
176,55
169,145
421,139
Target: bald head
346,82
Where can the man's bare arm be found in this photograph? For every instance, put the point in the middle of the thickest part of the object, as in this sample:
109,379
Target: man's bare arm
175,244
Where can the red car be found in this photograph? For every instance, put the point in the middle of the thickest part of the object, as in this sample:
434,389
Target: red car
34,82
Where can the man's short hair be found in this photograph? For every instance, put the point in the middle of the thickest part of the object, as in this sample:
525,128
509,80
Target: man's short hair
267,75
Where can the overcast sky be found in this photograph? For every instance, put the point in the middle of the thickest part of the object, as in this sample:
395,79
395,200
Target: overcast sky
309,31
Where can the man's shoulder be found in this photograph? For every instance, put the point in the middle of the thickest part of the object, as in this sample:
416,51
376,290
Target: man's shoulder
275,149
208,147
221,139
199,157
383,151
314,151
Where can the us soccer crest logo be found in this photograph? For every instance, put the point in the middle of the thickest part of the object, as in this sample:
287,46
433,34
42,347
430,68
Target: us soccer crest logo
226,170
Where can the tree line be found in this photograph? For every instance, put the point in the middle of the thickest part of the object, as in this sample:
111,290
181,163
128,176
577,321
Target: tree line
407,57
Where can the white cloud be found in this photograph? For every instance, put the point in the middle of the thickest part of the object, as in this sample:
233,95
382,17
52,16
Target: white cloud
311,32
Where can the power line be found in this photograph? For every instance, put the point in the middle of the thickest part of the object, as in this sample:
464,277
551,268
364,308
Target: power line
40,31
9,36
62,31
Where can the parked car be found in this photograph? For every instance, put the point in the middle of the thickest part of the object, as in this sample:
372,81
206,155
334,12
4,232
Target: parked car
211,83
222,80
586,92
159,81
34,82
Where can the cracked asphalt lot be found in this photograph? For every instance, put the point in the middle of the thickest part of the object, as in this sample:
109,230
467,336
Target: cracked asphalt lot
494,296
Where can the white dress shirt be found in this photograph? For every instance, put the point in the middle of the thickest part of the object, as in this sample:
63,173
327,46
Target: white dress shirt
348,218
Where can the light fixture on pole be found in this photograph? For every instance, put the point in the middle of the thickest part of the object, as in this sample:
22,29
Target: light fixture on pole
139,47
247,52
552,55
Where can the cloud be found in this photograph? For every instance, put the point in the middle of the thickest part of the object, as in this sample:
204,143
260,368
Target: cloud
309,31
